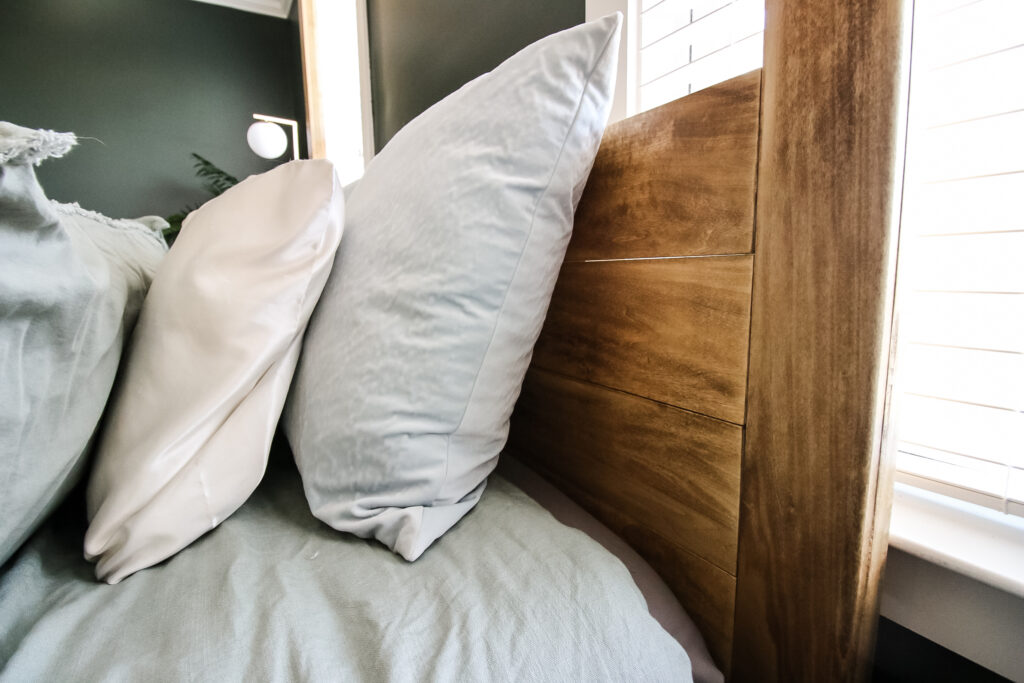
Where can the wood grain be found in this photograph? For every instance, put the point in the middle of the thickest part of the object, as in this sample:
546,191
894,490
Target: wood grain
664,479
814,496
677,180
707,593
674,330
677,471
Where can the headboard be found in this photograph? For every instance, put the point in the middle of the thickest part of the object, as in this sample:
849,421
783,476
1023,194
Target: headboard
635,400
711,379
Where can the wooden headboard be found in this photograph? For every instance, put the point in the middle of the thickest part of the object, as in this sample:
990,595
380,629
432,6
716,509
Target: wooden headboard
711,378
635,401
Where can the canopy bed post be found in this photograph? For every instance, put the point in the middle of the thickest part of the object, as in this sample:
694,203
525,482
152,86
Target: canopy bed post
815,485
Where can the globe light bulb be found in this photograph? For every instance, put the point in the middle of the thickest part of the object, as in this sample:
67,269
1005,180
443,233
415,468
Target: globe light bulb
267,139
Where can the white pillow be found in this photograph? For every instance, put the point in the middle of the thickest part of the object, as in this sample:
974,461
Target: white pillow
192,416
417,350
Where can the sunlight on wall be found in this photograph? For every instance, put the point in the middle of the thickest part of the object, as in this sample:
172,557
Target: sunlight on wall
341,85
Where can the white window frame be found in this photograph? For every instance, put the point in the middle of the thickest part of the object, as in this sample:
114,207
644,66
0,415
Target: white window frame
948,523
316,83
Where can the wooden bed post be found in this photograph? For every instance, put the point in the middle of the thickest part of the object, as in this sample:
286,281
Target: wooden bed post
815,489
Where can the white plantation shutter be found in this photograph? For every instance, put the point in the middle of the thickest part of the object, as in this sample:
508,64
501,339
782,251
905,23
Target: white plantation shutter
687,45
960,362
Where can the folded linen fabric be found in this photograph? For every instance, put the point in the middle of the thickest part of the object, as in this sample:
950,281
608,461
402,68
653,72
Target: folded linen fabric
71,284
275,596
192,418
454,238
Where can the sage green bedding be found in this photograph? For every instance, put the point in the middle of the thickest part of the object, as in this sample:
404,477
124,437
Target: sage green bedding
510,594
71,285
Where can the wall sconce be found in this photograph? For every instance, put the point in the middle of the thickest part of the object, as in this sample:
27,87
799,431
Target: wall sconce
267,139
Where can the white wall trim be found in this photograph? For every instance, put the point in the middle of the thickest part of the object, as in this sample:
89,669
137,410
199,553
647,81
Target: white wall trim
986,545
336,74
971,618
271,8
955,575
365,86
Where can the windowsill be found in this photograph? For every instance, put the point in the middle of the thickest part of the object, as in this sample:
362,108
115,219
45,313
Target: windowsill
976,621
979,543
955,575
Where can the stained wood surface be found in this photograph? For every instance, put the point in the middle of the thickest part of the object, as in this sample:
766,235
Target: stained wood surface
707,593
635,401
675,330
677,180
664,479
679,469
814,510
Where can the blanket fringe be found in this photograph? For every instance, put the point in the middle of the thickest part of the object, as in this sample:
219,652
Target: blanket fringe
20,145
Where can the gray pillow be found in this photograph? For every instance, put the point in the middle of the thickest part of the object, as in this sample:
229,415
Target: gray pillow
71,284
453,239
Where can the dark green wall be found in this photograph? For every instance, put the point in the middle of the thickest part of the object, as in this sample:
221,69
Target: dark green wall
153,80
422,51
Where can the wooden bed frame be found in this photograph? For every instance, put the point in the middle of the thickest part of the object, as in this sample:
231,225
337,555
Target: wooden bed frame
711,380
635,402
711,377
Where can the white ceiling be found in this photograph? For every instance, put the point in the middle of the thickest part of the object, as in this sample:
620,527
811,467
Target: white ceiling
273,8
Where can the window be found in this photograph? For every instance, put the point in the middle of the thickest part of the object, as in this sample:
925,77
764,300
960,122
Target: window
687,45
671,48
337,81
960,359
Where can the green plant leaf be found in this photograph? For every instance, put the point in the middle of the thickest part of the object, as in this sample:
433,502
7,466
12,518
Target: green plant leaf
216,181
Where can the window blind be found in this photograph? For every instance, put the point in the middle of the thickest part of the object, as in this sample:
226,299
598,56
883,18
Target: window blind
960,359
687,45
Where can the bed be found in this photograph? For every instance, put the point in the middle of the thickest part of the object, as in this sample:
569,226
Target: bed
709,384
285,612
712,379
